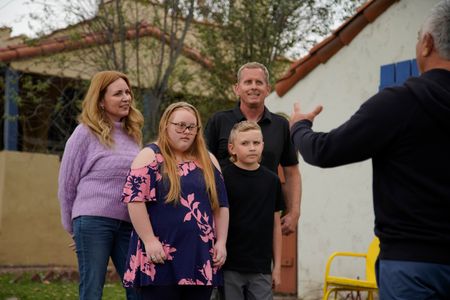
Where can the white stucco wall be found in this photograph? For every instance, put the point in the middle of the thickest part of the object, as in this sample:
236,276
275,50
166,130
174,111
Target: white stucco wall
337,210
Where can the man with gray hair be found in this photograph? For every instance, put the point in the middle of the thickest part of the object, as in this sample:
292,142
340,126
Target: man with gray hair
405,130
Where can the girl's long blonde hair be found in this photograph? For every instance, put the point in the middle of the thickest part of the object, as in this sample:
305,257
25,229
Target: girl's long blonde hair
93,116
198,151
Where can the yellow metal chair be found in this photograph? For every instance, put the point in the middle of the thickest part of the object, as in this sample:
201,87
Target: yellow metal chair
336,284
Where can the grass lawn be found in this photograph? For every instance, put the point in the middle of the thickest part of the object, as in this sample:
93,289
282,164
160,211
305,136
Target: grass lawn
26,289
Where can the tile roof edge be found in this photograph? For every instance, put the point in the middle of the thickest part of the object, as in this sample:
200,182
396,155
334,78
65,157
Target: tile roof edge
65,43
327,48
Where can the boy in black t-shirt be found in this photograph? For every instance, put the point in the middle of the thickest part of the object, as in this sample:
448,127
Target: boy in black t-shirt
254,235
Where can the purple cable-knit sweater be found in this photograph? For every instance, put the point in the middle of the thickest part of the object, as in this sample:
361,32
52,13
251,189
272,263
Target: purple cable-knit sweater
92,176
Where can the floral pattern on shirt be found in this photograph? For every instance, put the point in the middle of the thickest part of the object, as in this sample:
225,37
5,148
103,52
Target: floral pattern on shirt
186,229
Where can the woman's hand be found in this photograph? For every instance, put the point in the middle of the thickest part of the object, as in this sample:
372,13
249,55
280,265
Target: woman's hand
72,244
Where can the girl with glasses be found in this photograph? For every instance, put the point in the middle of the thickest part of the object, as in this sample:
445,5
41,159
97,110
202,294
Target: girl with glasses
178,206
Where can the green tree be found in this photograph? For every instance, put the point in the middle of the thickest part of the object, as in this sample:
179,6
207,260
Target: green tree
141,38
265,31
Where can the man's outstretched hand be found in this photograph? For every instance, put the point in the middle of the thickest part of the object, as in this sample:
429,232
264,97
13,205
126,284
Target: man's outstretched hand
297,114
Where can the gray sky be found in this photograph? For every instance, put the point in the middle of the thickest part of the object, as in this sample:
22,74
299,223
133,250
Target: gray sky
16,14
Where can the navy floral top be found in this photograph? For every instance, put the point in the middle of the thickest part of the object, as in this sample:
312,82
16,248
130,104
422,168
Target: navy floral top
186,230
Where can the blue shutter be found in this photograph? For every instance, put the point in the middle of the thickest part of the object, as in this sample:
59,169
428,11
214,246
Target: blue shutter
414,68
387,76
10,127
402,71
396,74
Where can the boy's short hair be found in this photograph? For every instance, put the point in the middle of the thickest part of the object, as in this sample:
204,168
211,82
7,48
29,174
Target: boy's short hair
242,126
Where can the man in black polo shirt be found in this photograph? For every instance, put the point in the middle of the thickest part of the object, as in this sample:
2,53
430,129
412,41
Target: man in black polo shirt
252,89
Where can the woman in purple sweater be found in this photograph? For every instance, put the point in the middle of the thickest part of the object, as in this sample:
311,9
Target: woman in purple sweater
94,166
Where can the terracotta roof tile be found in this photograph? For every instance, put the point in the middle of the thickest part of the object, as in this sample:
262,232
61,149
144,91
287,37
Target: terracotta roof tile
324,50
331,49
66,43
349,32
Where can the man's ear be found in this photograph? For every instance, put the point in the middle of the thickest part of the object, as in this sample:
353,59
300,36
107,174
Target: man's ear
427,45
236,89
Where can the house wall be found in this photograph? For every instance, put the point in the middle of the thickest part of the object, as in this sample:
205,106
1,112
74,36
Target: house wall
337,210
30,224
79,64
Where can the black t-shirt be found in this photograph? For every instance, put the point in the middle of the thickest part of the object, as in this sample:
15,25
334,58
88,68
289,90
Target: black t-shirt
254,197
278,148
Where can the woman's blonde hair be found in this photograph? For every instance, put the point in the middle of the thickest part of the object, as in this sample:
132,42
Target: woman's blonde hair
198,151
93,116
242,126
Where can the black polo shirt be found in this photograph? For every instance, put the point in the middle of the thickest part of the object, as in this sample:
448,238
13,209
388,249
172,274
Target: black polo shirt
278,148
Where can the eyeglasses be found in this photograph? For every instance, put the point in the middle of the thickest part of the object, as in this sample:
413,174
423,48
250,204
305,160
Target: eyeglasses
181,127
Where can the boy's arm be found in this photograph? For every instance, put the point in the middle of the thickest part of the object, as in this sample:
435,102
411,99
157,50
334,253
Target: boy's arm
276,271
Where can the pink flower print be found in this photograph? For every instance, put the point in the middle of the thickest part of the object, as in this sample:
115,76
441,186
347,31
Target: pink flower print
192,166
189,281
187,217
157,161
214,269
153,194
168,250
130,274
208,233
206,238
159,158
202,220
185,281
154,165
207,272
187,203
134,264
139,261
136,185
185,168
145,265
158,176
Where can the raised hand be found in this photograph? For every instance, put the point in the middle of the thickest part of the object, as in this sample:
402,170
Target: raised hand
297,114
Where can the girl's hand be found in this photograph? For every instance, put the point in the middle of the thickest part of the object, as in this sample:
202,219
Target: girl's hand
220,254
155,251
